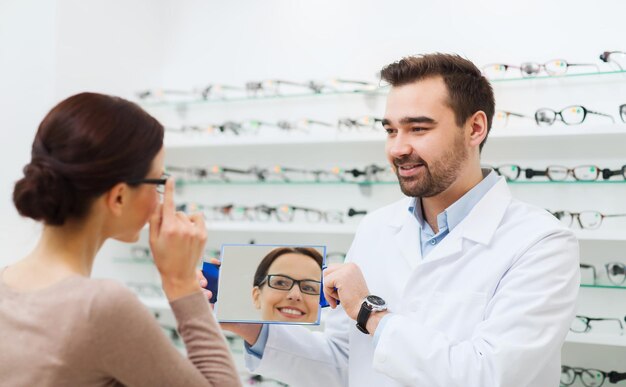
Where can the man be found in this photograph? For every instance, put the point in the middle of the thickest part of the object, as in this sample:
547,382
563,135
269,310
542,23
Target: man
474,287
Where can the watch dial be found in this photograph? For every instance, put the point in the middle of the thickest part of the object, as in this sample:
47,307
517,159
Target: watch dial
376,300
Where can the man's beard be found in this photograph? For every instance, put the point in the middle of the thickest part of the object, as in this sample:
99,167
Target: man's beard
436,176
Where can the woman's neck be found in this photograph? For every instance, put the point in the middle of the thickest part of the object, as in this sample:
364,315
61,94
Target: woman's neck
71,247
62,251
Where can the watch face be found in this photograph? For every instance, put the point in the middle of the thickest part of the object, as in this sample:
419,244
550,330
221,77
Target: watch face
375,300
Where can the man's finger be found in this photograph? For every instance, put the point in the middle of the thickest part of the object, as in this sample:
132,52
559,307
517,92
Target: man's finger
329,290
200,277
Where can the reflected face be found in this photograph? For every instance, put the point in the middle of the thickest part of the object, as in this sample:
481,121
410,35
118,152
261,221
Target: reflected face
144,200
425,147
289,305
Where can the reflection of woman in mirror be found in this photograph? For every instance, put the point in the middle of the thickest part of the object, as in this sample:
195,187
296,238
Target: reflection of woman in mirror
287,285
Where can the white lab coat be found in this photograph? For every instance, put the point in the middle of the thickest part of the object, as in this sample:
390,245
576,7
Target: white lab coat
489,306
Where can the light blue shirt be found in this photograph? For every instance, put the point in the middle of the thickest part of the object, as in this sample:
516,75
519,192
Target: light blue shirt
446,222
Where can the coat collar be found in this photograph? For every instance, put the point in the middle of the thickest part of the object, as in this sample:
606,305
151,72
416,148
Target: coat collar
479,225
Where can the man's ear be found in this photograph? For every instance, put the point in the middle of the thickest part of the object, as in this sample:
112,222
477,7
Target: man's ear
478,128
116,198
256,297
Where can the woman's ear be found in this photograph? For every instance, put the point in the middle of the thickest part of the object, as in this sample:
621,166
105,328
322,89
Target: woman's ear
116,198
256,297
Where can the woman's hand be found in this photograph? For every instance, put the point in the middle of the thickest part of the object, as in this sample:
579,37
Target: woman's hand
177,242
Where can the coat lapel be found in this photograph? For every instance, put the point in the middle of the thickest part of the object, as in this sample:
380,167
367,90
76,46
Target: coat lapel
479,226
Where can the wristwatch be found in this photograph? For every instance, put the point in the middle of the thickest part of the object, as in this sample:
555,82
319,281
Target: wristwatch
370,304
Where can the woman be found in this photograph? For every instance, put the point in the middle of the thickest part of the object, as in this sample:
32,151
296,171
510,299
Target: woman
287,285
94,174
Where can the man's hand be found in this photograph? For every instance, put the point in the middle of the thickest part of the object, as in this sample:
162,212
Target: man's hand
345,282
248,332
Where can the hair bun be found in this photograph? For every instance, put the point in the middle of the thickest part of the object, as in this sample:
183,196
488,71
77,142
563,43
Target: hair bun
43,194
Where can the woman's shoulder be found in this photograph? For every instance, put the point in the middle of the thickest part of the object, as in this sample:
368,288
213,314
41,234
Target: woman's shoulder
106,296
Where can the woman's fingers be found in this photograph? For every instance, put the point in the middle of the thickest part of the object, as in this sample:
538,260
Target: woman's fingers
155,223
169,209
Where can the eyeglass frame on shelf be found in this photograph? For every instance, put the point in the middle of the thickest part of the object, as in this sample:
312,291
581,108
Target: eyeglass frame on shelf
587,320
558,114
576,216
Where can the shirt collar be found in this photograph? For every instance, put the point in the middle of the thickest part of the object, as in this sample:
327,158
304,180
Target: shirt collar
457,211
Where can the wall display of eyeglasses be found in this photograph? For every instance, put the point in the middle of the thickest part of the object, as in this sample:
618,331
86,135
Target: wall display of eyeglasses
244,153
559,138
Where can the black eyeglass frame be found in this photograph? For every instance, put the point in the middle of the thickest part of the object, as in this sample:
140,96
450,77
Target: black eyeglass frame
268,279
559,115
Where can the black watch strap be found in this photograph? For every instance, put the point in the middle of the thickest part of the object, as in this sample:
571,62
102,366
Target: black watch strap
363,316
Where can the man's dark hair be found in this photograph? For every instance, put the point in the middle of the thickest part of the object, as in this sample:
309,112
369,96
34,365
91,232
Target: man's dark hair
468,90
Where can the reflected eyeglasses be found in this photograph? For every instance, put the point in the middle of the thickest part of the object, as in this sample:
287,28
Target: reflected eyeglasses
285,283
571,115
622,112
160,183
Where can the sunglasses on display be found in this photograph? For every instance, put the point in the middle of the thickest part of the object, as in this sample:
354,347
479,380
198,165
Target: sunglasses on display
554,67
587,220
589,377
571,115
616,57
583,324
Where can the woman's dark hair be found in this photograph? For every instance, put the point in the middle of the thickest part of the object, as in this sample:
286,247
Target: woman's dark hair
84,146
266,262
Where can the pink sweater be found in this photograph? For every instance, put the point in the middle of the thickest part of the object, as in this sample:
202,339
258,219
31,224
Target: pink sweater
93,332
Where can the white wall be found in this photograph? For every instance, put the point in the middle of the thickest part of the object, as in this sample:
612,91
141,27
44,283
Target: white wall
27,82
51,49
